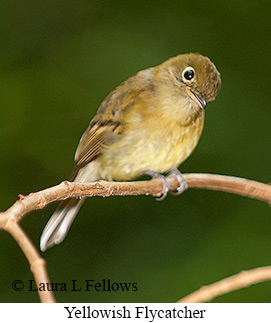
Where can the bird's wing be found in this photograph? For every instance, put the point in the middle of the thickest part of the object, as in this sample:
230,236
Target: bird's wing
108,120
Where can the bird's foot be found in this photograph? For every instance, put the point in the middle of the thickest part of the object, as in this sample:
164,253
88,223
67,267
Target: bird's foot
174,172
163,179
183,186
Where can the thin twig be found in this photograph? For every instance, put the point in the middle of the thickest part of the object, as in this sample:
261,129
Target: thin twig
37,264
228,285
39,200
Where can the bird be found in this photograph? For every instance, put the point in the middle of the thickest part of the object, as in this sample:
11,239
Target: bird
149,124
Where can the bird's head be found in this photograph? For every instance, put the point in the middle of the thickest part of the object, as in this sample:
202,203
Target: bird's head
193,75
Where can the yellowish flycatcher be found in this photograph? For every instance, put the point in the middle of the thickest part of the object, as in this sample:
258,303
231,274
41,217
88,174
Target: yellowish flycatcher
149,124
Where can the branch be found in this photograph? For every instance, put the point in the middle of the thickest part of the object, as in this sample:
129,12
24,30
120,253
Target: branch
9,220
37,264
228,285
39,200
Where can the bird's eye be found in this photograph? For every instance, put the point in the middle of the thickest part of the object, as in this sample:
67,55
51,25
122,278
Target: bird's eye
188,73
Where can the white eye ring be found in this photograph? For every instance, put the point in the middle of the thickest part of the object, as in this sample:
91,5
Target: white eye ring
188,74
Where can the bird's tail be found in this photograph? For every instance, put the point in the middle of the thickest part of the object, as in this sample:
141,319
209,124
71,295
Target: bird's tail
60,222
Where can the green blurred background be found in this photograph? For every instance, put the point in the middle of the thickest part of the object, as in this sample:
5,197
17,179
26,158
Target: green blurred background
58,60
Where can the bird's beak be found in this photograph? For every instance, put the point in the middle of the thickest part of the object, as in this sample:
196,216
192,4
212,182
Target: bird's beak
198,99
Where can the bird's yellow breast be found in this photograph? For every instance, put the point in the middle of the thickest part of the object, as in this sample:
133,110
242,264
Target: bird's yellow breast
156,144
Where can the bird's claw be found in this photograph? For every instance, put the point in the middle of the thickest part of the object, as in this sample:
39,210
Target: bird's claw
183,186
174,172
163,179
